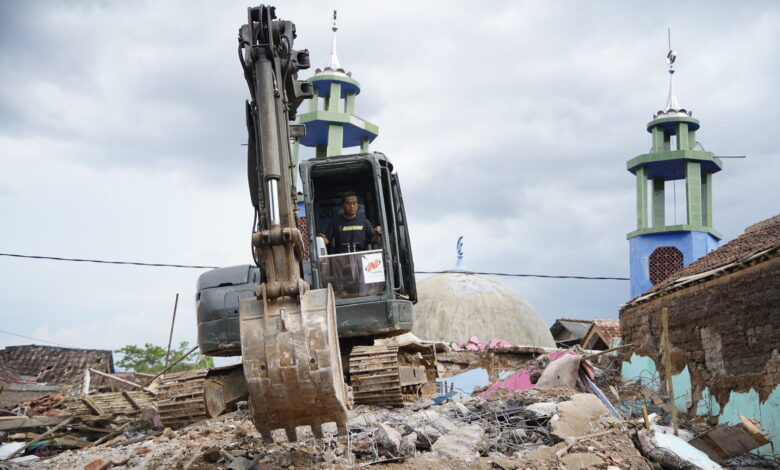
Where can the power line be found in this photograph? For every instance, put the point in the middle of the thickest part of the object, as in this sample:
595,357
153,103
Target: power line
138,263
134,263
36,339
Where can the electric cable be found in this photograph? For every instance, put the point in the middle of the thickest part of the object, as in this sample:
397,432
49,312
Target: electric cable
83,260
164,265
37,339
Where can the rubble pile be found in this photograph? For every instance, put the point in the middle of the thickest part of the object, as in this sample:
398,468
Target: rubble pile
554,427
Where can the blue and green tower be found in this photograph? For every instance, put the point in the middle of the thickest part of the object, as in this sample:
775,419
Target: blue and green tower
661,244
331,122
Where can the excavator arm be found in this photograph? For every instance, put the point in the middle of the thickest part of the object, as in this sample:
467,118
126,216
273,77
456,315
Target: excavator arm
289,342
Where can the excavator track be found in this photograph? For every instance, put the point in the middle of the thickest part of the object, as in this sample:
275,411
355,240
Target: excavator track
193,395
387,375
292,364
374,374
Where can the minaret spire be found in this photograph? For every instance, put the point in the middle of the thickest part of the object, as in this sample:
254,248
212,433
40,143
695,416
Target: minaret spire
671,56
333,61
672,105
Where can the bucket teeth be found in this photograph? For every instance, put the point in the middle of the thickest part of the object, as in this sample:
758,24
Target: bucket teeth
286,388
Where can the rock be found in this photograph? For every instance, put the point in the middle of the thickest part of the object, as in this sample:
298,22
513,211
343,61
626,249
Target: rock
169,433
461,409
239,463
427,435
388,438
432,418
580,460
245,429
97,464
541,410
578,416
329,457
422,403
212,454
408,446
368,420
459,444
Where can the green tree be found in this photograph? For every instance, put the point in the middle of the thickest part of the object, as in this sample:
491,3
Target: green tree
151,358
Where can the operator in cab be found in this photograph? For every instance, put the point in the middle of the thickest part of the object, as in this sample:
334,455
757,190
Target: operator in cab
349,232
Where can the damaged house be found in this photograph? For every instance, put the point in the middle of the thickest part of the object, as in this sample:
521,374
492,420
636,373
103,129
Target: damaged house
724,327
569,331
32,371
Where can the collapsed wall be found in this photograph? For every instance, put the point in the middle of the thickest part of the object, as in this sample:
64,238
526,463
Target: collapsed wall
724,329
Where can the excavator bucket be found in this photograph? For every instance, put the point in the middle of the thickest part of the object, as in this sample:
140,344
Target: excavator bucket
292,363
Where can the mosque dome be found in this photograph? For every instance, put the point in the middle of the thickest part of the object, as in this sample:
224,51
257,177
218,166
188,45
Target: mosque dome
455,306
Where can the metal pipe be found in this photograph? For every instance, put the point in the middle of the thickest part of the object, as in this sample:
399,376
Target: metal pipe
267,119
273,200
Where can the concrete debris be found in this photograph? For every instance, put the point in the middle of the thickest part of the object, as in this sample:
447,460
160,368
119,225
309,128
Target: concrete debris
408,444
541,410
422,403
459,444
673,452
540,428
579,416
581,460
388,438
474,344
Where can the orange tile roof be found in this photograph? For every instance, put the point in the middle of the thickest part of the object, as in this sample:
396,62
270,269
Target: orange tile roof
757,237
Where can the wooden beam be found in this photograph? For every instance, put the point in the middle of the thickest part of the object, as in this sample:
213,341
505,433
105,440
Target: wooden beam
133,384
131,400
668,365
606,351
181,358
92,406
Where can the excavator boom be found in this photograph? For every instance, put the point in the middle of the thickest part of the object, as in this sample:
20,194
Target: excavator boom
289,342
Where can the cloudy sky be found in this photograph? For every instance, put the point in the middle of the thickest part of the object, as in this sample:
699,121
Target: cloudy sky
121,126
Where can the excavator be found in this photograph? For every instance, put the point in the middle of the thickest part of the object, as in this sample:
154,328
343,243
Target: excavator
297,315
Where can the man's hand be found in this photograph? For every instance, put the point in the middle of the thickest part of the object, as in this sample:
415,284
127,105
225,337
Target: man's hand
378,230
377,234
324,238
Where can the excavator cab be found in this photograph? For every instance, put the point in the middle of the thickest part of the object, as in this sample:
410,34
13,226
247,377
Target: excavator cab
374,286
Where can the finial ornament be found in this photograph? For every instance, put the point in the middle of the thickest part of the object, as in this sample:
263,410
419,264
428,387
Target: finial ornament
672,105
333,61
459,266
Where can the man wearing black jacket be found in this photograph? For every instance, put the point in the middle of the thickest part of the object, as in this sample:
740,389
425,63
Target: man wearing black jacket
349,232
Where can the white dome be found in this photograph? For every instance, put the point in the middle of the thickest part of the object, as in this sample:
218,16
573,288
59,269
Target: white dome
456,306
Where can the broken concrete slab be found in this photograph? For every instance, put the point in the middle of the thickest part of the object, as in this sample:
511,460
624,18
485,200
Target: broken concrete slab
408,445
460,444
673,452
388,438
578,416
541,410
581,460
431,418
